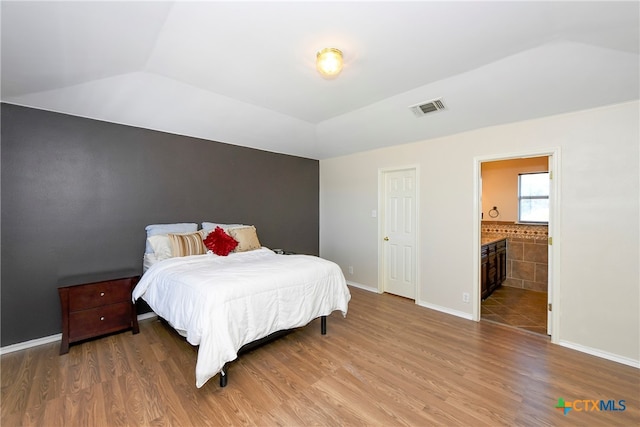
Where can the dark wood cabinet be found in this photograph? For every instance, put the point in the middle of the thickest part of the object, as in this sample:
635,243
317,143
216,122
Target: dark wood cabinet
501,261
493,266
97,308
484,271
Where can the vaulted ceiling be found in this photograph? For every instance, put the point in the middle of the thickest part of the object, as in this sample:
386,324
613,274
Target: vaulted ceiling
243,72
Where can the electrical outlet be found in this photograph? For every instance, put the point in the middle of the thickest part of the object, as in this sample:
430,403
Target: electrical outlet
465,297
351,269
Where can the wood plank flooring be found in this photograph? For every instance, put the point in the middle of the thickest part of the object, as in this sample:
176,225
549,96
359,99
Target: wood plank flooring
389,362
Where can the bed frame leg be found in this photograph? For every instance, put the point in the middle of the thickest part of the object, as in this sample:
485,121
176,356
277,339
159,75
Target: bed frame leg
323,325
223,377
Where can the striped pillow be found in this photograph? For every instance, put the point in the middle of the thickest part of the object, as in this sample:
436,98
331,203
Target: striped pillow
185,244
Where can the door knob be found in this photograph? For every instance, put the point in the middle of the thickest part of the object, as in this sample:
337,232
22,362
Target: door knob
386,239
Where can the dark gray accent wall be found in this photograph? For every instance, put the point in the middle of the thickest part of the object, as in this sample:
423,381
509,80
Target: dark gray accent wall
77,194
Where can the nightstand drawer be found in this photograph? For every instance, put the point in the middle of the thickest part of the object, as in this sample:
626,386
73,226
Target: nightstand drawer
98,294
99,321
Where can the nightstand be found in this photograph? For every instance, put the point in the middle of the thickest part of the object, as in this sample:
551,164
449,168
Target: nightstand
93,306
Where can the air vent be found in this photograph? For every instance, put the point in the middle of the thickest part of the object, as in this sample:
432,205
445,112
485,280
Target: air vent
427,107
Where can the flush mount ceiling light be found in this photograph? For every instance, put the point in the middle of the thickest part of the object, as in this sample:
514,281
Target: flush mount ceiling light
329,61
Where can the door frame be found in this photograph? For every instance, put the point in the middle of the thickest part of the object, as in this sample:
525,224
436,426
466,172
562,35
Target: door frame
381,218
554,285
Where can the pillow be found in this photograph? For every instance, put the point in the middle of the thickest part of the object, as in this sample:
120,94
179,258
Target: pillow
148,260
210,226
219,242
155,229
187,244
247,238
161,246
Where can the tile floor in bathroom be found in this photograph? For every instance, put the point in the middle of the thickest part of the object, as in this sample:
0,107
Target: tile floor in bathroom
520,308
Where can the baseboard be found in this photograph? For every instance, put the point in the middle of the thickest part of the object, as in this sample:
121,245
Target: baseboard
422,304
599,353
31,343
52,338
365,287
446,310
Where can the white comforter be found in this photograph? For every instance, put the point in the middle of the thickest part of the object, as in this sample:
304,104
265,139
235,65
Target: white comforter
222,303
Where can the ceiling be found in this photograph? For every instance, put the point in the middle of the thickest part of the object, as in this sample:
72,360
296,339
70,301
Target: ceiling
243,72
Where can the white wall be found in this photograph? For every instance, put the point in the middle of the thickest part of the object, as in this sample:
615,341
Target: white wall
599,277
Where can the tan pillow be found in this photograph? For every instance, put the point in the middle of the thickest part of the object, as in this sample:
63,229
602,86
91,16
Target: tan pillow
246,237
185,244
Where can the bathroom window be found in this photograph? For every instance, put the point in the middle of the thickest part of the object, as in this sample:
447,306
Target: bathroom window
533,197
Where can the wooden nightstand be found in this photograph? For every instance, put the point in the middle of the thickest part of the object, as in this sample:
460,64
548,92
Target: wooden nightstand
92,307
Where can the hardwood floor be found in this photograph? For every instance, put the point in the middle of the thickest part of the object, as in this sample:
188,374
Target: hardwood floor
389,362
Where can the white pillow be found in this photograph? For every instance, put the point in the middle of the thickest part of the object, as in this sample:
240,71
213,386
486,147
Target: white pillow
161,246
147,261
154,229
210,226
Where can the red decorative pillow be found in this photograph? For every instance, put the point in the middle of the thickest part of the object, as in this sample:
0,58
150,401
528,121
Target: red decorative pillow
219,242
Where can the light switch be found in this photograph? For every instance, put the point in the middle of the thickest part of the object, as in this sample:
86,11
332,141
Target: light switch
374,213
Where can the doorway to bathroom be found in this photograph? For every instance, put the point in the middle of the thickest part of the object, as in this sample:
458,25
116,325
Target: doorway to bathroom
515,250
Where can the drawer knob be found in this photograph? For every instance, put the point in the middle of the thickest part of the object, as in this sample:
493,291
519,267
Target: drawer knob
102,318
101,294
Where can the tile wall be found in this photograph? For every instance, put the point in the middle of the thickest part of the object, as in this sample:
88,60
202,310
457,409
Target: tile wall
527,253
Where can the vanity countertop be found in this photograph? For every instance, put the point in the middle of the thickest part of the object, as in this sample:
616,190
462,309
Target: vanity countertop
487,238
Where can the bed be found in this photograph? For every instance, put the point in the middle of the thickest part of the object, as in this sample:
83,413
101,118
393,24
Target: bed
225,303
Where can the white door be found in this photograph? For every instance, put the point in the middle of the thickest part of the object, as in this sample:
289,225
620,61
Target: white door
399,233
